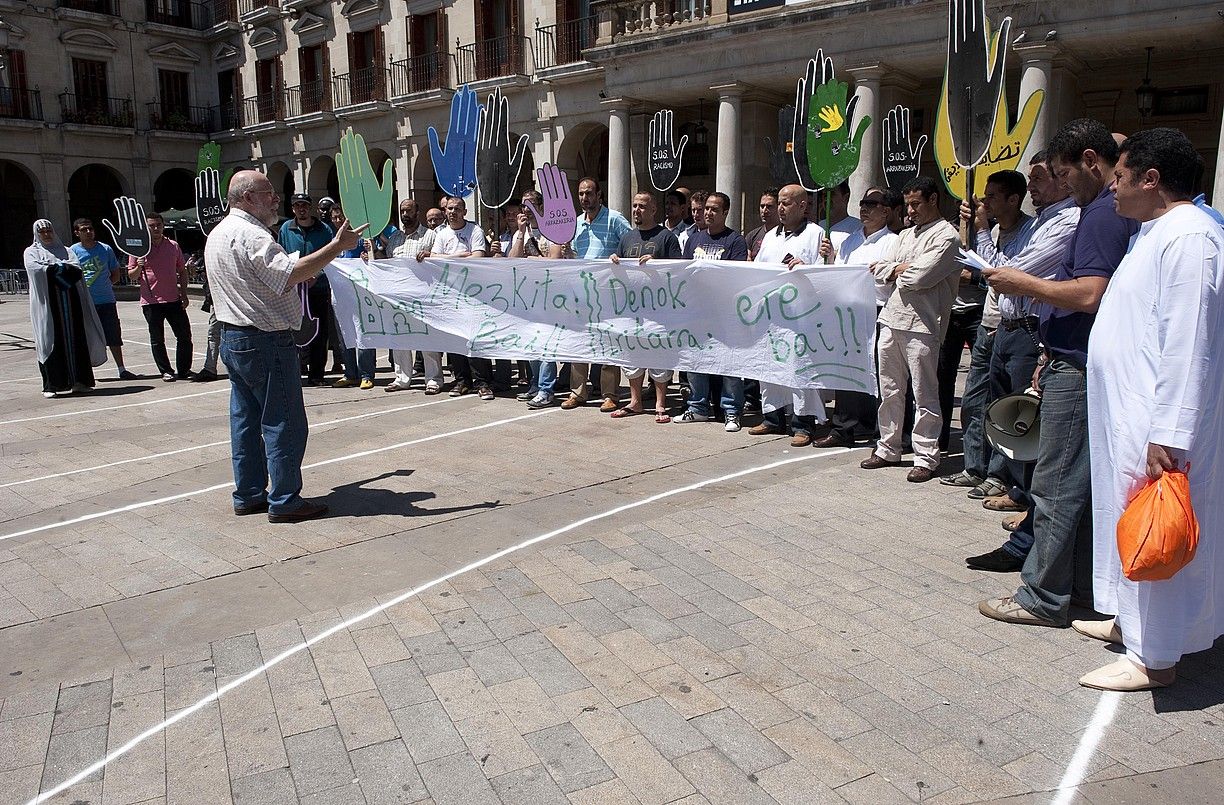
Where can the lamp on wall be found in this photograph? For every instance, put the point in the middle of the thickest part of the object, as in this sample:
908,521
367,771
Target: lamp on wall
697,155
1145,94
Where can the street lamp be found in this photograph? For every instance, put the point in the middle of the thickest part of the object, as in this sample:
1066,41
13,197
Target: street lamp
1145,94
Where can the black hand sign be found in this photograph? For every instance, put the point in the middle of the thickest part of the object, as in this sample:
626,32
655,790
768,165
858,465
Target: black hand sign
819,71
781,165
902,156
974,79
497,162
132,235
211,208
663,153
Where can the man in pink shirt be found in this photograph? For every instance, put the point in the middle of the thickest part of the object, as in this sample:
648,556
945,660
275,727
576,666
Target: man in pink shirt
162,277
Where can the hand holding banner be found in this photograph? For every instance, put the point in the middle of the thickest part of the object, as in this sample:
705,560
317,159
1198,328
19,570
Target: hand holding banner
455,164
497,162
664,155
902,156
132,235
558,220
211,206
365,201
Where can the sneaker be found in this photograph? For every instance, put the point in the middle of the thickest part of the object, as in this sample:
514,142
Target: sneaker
124,374
431,387
395,385
367,383
526,396
460,388
343,383
485,393
733,424
966,479
541,400
168,377
691,416
1008,610
50,395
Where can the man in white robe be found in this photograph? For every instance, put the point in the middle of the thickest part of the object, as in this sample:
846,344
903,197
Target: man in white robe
1155,386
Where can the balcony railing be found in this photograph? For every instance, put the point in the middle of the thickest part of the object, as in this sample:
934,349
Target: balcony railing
360,86
180,13
110,7
21,104
220,11
267,108
230,115
653,16
423,73
491,58
176,117
308,98
564,42
97,111
255,10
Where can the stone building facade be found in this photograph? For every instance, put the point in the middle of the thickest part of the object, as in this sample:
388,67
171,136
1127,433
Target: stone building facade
101,97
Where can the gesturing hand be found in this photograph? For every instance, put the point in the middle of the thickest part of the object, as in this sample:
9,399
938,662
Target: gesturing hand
902,156
365,201
132,236
975,77
664,154
557,219
497,161
819,70
211,207
455,165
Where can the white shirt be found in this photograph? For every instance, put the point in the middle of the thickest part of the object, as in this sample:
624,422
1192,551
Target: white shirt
448,241
803,243
248,274
858,248
843,229
402,244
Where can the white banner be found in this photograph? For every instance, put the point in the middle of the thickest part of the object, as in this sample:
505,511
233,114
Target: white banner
808,328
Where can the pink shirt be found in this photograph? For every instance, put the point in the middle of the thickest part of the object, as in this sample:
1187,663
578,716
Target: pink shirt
159,281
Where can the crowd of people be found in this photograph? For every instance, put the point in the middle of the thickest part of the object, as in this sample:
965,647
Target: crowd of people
1105,301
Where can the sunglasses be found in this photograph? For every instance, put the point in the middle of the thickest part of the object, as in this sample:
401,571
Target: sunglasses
870,204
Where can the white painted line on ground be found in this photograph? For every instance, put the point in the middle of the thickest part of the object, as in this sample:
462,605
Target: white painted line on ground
90,411
144,504
127,340
224,441
404,596
39,377
1102,717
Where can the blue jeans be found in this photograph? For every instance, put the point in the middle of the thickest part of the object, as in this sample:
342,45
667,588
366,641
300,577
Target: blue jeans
358,364
973,405
1061,558
267,418
1011,371
543,377
731,397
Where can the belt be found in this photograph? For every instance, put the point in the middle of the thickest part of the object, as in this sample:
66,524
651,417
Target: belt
1029,323
242,328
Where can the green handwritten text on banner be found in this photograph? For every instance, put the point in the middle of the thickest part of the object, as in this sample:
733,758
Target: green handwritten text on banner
808,328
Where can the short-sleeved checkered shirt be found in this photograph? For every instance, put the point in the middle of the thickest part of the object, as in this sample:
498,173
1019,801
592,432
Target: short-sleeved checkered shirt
248,274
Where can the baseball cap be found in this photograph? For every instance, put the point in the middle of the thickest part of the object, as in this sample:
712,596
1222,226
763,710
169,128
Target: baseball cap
301,197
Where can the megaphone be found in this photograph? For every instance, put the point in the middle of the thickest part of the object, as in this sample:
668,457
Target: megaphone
1013,427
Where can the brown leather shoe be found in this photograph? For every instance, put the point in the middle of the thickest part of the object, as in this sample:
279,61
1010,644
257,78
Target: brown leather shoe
608,405
307,511
765,429
874,462
801,439
573,401
919,475
832,440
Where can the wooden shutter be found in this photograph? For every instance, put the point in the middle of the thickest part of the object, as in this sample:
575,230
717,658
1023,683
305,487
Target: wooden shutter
16,70
380,66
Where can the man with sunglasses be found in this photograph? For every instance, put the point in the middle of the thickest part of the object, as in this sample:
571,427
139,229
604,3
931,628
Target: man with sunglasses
253,282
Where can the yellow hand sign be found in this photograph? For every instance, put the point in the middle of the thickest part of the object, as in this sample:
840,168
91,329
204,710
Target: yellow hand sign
832,118
1007,143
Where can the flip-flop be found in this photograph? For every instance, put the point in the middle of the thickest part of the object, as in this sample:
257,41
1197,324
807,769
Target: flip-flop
621,413
662,418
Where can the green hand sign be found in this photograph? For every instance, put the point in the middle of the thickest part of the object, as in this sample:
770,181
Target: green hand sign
832,151
210,157
365,201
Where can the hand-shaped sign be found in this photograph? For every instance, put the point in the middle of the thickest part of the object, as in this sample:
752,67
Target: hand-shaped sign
557,220
819,70
211,206
455,165
902,156
132,235
1007,145
781,164
663,153
365,201
973,81
209,156
831,142
497,162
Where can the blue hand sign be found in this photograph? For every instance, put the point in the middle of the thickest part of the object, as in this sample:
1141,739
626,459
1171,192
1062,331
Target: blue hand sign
455,164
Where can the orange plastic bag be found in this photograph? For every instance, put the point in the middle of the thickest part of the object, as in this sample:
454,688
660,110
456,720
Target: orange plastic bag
1158,533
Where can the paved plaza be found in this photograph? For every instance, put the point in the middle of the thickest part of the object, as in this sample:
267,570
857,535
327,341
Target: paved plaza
524,607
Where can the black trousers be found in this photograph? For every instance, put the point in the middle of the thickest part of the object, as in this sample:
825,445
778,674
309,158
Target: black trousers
318,300
962,332
157,315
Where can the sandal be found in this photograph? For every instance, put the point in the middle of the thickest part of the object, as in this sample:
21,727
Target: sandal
621,413
662,418
1002,503
1010,524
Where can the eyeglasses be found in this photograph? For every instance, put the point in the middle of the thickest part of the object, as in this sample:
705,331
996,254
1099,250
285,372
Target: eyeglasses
870,204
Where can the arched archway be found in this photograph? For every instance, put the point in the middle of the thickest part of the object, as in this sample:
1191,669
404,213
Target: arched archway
174,189
21,201
322,180
92,190
281,177
584,152
378,158
425,188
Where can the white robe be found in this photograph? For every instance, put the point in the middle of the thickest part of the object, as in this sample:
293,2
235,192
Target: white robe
1156,374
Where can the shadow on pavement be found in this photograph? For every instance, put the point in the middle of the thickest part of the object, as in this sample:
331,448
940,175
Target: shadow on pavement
357,499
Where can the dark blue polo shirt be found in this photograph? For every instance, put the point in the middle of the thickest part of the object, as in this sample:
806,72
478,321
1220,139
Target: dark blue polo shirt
304,241
1100,241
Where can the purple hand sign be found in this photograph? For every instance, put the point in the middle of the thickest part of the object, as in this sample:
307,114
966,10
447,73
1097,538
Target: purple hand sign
558,221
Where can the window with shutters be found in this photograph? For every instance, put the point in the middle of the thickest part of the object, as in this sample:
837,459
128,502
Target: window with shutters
267,89
173,93
229,95
499,45
367,67
313,72
16,100
576,29
90,85
427,64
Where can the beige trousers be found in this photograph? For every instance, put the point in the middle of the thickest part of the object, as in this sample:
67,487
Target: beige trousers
905,355
609,380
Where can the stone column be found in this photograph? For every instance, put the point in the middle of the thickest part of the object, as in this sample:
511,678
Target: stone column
727,159
617,191
1037,60
867,89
